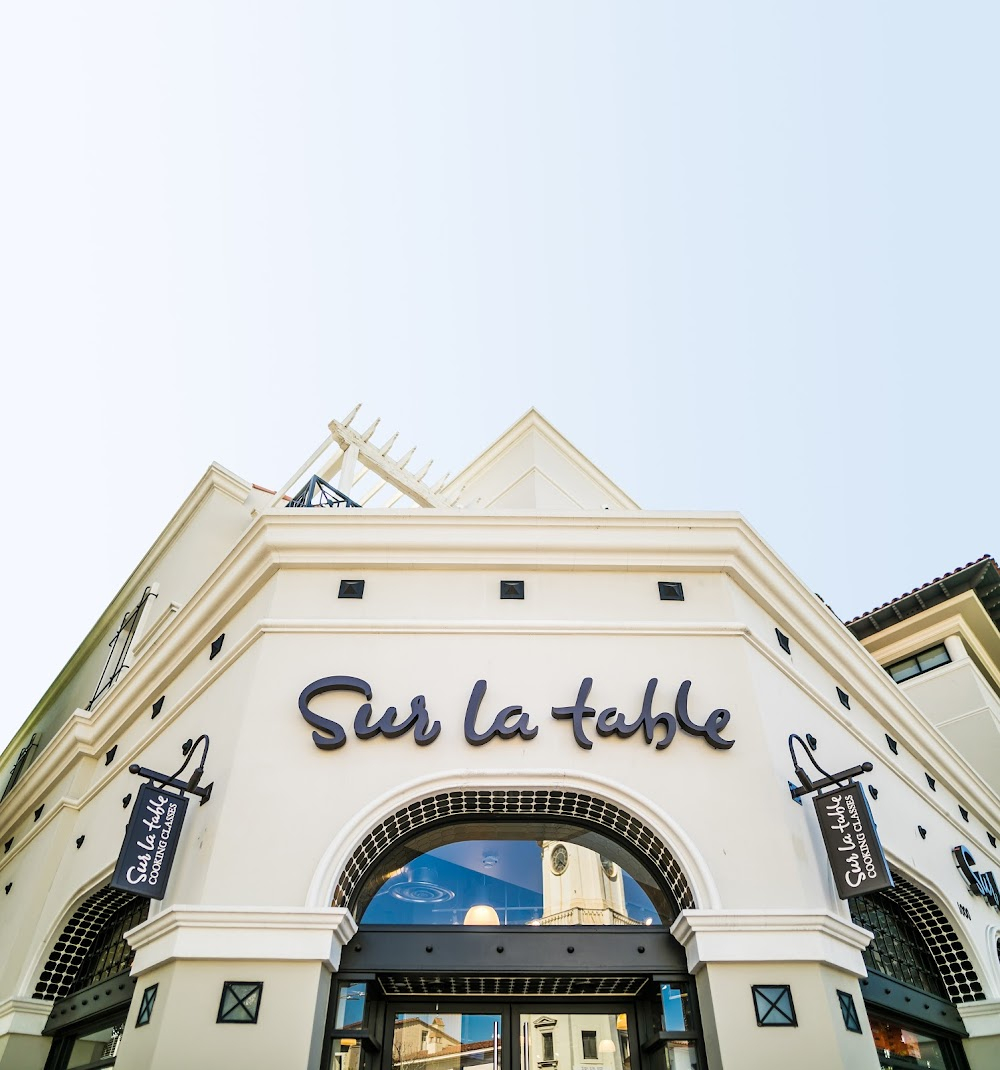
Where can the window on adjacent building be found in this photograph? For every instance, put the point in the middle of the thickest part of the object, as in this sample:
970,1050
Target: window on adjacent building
922,662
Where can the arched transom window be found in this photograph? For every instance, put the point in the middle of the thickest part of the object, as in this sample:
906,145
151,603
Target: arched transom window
520,872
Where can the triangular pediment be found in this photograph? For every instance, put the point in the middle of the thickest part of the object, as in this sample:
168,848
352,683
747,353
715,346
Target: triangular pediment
533,466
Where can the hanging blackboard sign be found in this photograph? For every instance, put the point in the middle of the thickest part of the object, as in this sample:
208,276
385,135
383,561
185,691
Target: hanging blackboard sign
150,842
852,844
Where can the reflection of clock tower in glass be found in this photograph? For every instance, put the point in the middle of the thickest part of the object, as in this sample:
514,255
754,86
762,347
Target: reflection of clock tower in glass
580,887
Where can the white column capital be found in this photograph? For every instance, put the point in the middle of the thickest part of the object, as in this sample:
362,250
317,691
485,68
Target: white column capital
982,1018
770,936
24,1016
233,933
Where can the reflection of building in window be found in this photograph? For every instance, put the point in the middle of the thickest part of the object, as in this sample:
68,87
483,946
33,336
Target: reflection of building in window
581,887
589,1038
346,1054
421,1045
548,1048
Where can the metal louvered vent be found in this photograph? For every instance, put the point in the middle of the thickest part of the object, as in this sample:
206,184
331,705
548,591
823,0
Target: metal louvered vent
501,985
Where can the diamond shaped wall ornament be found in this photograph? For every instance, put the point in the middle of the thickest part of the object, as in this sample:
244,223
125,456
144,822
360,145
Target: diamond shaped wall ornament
893,745
783,641
512,588
158,705
351,589
240,1002
773,1005
671,591
849,1012
845,699
217,646
146,1006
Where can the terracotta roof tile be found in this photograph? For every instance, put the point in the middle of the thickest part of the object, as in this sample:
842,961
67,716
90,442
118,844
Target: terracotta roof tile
923,587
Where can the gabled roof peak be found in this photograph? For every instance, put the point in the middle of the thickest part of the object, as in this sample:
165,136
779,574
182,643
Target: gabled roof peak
532,465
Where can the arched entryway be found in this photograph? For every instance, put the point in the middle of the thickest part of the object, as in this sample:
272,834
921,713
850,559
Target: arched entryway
513,929
86,979
918,971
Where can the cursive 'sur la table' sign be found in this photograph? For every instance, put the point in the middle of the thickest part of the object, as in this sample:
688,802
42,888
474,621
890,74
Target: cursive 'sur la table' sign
852,842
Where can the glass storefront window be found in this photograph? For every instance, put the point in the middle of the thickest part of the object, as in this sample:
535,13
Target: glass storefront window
677,1016
351,1005
95,1049
345,1054
900,1047
519,873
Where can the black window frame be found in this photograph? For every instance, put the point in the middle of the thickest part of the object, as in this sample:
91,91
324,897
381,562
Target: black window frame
915,658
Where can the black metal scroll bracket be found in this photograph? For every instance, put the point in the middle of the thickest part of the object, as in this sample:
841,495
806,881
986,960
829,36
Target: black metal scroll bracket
191,784
827,780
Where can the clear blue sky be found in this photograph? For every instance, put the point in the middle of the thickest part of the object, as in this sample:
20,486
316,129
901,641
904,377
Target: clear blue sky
744,255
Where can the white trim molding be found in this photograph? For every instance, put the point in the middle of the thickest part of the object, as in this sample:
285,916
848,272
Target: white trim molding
26,1017
981,1019
710,936
234,934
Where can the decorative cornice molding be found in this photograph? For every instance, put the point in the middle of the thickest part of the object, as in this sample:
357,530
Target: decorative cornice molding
23,1016
710,936
459,539
216,478
981,1019
232,933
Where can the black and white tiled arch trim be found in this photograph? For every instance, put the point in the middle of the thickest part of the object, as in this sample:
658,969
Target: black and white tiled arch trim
574,806
76,939
957,972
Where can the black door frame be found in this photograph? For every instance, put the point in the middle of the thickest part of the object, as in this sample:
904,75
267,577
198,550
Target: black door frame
509,1012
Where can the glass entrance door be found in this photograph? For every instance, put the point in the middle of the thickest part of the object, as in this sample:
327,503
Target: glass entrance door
475,1037
574,1040
656,1031
462,1039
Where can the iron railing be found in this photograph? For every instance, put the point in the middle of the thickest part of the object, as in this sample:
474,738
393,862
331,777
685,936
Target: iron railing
19,766
119,647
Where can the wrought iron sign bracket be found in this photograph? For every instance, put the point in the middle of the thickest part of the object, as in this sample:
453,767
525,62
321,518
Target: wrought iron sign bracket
192,784
827,780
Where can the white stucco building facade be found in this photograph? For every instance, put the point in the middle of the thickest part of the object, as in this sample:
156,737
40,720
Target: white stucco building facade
654,897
